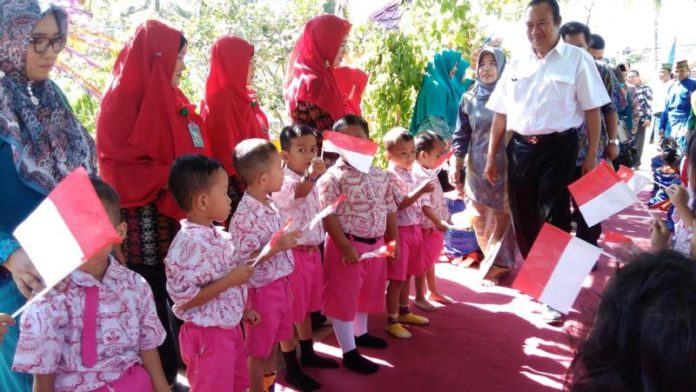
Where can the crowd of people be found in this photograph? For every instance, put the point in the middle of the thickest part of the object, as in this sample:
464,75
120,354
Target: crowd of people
220,265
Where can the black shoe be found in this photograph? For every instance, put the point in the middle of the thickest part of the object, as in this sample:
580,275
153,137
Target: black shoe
369,341
295,376
309,358
359,364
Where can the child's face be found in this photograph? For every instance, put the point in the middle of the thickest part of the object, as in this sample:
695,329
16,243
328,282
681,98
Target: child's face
302,150
403,154
355,131
428,159
273,177
217,202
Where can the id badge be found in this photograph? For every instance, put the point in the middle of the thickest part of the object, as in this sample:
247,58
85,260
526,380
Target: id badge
196,135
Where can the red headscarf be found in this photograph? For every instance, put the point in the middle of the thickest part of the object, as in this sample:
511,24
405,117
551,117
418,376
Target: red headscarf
231,111
309,79
352,82
141,127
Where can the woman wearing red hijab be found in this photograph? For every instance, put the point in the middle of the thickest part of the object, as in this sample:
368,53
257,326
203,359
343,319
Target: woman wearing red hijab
352,82
231,111
144,123
311,90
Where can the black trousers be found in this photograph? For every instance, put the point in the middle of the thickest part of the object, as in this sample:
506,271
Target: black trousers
589,234
168,351
538,179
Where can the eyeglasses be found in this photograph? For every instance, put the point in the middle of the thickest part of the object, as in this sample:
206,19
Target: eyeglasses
41,44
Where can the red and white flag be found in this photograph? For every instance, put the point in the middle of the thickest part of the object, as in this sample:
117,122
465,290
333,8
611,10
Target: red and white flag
601,194
325,212
440,163
66,229
555,268
635,181
274,240
357,152
388,250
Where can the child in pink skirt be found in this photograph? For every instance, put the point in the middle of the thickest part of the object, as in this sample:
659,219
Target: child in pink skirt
97,330
429,148
298,200
204,280
254,224
353,287
401,152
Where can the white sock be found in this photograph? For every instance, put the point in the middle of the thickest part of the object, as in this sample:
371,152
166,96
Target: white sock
360,324
344,334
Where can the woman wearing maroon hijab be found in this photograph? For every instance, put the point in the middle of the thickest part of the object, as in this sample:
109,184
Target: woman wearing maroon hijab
313,95
145,122
231,111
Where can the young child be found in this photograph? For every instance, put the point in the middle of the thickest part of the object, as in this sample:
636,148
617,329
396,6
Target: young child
298,200
253,225
354,287
205,282
429,148
666,175
401,152
98,329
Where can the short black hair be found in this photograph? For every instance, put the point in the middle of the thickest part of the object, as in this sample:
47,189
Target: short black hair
596,42
573,28
109,198
191,174
425,141
554,7
351,119
394,136
622,67
290,132
253,157
644,333
670,156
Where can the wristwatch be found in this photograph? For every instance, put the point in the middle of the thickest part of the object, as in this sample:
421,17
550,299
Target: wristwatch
614,141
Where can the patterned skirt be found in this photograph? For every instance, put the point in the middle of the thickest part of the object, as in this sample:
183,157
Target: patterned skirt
149,235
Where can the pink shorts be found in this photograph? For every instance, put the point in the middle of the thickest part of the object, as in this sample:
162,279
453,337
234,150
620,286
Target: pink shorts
215,358
353,288
306,283
135,378
410,261
272,302
433,241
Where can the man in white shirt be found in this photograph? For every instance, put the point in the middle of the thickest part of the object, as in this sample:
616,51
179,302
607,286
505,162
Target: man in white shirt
543,97
659,89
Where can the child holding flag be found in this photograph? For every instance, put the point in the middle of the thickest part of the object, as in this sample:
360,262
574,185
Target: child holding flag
258,234
431,149
298,200
205,282
354,287
401,152
98,329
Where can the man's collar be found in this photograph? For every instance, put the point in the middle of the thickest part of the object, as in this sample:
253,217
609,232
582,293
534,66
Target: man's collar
560,47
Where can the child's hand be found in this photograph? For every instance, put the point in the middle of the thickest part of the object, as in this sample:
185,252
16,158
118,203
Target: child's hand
251,317
239,275
287,241
318,168
426,186
5,320
677,195
396,253
659,235
349,255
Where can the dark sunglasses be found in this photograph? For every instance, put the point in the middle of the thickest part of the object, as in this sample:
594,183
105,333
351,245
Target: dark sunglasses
41,44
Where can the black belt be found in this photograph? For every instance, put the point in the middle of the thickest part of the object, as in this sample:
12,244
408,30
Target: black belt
549,137
369,241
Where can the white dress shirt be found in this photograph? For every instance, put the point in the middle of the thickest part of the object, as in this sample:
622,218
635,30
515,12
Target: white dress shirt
660,89
543,96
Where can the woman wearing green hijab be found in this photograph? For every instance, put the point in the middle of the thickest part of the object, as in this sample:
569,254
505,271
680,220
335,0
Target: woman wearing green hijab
438,99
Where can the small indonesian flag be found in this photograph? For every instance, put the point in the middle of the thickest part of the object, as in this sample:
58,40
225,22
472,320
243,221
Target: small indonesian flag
635,181
274,240
357,152
441,161
66,229
325,212
555,268
388,250
601,194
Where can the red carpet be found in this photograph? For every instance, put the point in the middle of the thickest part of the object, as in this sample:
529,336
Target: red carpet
492,339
